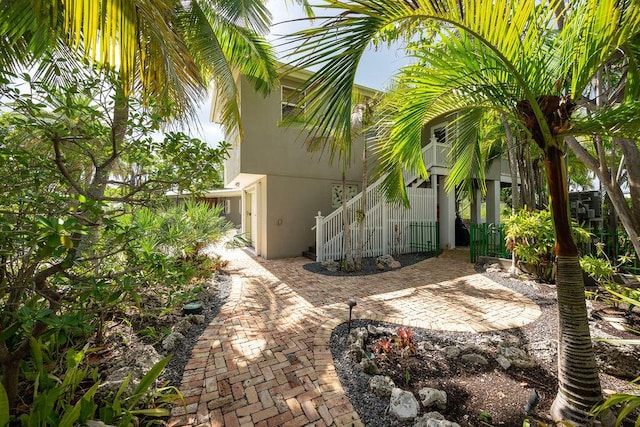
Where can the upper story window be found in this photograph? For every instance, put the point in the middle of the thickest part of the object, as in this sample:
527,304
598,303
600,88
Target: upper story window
292,102
439,134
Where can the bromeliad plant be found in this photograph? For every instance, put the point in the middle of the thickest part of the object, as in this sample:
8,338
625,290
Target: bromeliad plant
401,345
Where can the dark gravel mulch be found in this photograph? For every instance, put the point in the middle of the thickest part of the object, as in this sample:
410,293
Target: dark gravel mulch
473,392
212,299
369,265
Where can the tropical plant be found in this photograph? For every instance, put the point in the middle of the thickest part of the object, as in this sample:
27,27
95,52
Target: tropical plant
627,402
361,121
166,50
55,285
508,57
531,238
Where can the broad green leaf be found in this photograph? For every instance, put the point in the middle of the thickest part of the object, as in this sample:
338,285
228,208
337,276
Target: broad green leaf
4,407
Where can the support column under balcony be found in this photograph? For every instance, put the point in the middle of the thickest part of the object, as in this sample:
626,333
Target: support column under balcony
493,202
446,215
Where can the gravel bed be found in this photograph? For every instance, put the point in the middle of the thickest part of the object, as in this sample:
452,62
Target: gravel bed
369,265
212,298
373,410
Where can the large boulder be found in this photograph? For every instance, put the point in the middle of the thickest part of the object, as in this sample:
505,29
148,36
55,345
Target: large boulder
403,405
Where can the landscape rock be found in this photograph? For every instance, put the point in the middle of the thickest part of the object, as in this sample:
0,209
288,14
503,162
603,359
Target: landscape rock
381,386
475,358
172,340
493,268
114,379
451,351
380,266
359,336
434,419
377,331
385,260
143,359
503,362
330,266
517,356
196,319
368,367
431,397
356,353
617,359
426,346
395,264
182,327
403,405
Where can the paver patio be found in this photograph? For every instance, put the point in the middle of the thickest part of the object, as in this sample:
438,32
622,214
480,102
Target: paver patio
265,359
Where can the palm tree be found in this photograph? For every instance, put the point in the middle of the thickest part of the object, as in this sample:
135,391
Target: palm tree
164,50
361,119
507,58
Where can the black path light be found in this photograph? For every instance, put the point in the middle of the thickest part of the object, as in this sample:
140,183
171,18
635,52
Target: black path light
351,303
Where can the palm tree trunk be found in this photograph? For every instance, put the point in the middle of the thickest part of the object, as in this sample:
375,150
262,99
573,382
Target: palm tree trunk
346,229
578,382
363,205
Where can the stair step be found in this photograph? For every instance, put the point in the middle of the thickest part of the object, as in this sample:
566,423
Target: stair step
310,255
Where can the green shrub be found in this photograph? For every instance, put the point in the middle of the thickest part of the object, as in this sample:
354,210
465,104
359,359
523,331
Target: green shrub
530,236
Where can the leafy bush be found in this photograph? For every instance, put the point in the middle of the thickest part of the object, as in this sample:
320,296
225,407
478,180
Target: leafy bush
530,236
73,253
63,394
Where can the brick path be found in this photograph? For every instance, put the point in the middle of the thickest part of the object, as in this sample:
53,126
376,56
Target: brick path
265,359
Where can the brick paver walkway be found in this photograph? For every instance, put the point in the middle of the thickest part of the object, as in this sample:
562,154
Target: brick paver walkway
265,359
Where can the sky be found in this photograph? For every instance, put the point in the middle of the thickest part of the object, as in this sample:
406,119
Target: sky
375,71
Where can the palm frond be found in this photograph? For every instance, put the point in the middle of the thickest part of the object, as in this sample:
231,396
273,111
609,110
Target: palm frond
465,157
619,121
595,31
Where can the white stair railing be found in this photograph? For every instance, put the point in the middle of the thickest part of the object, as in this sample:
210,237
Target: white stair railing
387,227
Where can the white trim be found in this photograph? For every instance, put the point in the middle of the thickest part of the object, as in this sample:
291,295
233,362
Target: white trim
283,101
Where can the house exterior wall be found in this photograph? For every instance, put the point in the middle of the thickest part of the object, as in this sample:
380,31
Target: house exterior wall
292,206
288,183
268,148
235,206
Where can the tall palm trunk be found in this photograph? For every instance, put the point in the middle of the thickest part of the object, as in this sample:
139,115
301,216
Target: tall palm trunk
346,228
578,382
363,205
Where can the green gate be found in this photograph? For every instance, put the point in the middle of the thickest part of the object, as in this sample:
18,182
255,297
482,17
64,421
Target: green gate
487,240
423,237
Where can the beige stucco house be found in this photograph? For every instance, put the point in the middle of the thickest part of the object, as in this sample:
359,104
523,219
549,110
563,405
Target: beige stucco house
287,193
